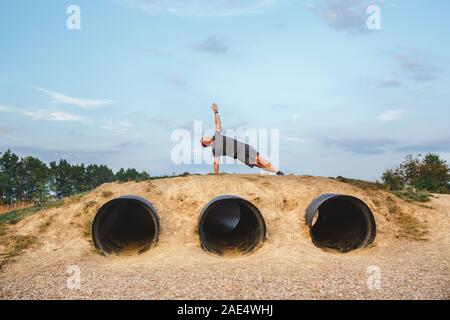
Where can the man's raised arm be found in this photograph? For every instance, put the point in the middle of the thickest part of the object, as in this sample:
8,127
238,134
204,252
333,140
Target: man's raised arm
215,108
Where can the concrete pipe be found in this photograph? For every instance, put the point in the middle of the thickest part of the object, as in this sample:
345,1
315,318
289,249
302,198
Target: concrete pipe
126,225
229,224
340,222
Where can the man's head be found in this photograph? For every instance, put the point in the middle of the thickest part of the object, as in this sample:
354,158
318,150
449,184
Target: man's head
206,141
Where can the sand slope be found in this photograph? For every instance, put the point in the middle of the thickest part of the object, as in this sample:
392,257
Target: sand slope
288,266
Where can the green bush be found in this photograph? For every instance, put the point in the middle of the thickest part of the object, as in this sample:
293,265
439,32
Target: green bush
393,180
429,173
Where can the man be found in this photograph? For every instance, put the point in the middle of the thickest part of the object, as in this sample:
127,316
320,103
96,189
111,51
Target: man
225,146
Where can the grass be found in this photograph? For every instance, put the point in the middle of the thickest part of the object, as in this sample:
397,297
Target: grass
17,245
15,216
362,184
16,206
408,195
425,206
87,230
173,175
186,174
107,194
46,224
77,197
412,196
409,226
89,205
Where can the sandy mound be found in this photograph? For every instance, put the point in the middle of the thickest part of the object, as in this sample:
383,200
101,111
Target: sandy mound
411,248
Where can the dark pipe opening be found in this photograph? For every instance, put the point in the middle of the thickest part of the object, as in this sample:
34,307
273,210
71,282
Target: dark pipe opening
342,223
231,224
126,225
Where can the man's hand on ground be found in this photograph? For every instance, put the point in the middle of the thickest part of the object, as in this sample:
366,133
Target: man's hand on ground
215,107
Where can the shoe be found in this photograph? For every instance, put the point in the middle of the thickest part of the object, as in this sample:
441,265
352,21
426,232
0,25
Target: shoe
279,173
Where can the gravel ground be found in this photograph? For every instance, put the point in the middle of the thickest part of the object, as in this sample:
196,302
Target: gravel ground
409,273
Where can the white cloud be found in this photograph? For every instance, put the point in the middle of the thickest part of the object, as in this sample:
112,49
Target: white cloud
296,116
4,108
120,126
294,139
390,115
59,98
42,114
49,115
199,8
362,145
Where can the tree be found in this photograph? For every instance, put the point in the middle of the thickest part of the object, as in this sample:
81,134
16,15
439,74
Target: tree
98,175
61,179
409,169
144,175
392,179
34,180
31,180
10,167
78,178
430,173
131,175
104,175
2,178
120,175
433,175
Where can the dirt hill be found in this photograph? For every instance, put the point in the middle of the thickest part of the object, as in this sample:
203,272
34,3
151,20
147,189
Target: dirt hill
412,247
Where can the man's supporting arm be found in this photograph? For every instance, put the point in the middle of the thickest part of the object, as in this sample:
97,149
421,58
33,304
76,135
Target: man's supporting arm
216,165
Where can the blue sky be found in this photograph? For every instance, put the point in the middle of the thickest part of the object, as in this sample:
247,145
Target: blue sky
347,100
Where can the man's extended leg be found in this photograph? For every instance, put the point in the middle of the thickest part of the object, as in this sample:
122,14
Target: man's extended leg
265,165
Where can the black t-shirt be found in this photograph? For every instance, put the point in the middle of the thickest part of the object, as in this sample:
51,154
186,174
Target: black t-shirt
226,146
